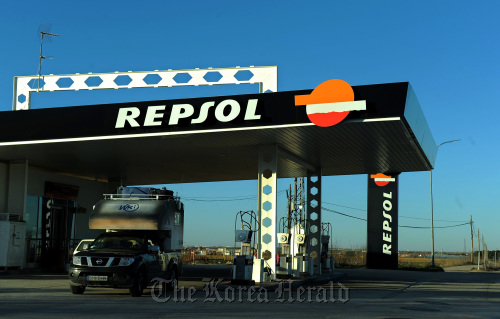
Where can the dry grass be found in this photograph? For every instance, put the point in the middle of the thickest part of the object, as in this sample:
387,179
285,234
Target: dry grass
349,258
441,262
357,259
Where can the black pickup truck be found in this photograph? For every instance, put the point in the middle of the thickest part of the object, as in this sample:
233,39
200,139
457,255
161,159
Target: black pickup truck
124,259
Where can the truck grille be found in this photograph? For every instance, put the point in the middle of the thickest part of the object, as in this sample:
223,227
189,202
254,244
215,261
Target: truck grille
99,261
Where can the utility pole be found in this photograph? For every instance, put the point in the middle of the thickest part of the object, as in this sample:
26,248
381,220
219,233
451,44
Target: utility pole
289,209
485,253
471,242
479,250
302,199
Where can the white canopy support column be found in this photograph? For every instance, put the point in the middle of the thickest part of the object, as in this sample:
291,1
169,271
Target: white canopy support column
268,169
15,225
18,187
314,219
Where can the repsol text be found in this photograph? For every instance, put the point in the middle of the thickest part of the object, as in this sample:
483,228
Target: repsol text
224,111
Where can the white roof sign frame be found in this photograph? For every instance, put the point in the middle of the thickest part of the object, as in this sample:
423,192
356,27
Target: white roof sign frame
265,76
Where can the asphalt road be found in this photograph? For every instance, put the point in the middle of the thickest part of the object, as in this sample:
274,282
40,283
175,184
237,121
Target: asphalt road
360,293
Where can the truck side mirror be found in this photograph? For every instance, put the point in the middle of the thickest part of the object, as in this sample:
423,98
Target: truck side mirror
153,249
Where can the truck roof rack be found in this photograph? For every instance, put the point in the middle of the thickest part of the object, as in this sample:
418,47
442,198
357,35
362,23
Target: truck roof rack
142,196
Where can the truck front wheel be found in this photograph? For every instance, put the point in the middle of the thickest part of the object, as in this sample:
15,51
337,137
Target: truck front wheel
139,283
77,290
173,279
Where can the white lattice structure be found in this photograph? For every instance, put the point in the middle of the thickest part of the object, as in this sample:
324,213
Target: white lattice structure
266,76
268,179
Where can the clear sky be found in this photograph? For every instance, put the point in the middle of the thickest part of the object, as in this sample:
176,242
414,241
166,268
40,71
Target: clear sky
448,50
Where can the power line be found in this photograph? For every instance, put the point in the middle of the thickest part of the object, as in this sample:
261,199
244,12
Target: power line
438,220
225,199
363,210
336,212
411,217
435,226
216,200
238,198
405,226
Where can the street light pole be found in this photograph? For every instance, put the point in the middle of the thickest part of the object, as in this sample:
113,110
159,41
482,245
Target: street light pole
432,227
432,209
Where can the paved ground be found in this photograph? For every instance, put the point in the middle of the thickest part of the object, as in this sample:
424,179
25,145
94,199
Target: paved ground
359,293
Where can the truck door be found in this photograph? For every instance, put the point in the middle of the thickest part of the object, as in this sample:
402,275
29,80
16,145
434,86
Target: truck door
153,260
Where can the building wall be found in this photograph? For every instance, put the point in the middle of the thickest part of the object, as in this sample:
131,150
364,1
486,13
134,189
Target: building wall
4,185
90,193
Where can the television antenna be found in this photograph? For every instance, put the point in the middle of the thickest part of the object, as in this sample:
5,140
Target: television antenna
45,35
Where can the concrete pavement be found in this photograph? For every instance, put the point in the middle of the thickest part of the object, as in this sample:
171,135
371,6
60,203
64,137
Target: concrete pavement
360,293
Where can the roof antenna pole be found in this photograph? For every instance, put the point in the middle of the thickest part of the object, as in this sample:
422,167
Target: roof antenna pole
40,63
43,30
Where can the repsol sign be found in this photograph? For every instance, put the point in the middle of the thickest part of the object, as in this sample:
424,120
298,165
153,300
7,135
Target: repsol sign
382,238
225,111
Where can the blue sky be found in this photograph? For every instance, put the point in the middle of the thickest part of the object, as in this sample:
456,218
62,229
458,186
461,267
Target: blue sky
447,50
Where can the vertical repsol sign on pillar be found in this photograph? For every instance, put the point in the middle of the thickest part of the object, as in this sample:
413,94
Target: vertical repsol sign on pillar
382,245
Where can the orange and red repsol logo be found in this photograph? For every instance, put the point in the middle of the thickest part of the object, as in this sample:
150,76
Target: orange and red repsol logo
330,103
382,179
327,105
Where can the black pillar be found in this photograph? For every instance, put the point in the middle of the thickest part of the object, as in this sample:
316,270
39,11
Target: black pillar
382,238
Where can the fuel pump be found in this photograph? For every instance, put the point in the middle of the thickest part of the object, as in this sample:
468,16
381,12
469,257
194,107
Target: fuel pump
327,259
244,234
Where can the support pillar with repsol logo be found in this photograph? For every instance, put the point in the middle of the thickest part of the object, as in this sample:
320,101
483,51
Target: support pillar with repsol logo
382,213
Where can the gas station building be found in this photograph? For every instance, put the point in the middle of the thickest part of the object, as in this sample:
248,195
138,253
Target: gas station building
56,163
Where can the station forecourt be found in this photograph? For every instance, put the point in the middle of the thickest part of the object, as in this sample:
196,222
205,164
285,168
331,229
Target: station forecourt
55,164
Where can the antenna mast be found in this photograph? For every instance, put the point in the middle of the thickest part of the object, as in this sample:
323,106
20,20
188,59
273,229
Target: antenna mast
43,30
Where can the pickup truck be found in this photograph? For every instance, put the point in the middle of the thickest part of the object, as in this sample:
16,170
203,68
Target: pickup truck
123,259
144,240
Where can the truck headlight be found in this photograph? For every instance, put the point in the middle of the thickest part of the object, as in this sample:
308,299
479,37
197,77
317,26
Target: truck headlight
77,260
126,261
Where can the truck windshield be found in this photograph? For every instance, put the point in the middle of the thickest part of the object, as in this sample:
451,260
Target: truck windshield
118,242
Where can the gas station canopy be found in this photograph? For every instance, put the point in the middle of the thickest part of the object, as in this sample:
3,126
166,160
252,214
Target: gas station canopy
218,138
